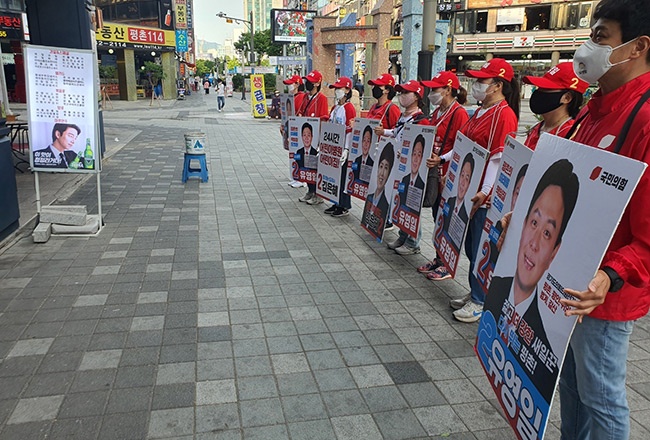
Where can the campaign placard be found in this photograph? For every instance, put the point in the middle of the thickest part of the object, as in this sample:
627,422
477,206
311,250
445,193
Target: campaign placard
362,157
330,146
524,333
463,179
286,111
512,170
377,206
62,111
303,136
409,185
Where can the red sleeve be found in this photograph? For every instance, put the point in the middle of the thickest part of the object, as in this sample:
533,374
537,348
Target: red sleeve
460,119
507,124
297,103
392,116
321,108
350,114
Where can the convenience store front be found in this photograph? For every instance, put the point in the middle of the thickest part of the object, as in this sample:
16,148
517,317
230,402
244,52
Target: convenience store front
123,50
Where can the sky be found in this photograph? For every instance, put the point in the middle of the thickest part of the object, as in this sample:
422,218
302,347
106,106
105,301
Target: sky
212,28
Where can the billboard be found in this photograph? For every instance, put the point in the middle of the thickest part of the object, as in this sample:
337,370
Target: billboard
289,25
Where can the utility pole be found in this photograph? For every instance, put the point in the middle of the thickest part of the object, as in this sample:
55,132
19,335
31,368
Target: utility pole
425,56
249,22
250,17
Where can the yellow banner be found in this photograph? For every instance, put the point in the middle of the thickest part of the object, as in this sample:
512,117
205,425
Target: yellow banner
258,97
181,14
120,35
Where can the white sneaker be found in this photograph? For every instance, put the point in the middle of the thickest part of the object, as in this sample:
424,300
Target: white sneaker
395,243
458,303
307,197
315,200
296,184
291,182
470,312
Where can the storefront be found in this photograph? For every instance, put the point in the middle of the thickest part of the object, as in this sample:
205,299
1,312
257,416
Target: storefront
13,31
123,51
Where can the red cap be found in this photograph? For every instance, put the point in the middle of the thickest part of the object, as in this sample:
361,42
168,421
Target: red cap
314,77
296,79
495,68
443,79
342,82
560,77
385,79
411,86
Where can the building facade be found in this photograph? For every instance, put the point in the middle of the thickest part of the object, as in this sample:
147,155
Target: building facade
13,32
261,12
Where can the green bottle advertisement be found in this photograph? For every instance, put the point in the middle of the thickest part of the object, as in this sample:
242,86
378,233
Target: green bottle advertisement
88,156
76,163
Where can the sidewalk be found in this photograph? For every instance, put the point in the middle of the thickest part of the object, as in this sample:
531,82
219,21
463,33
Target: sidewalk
229,310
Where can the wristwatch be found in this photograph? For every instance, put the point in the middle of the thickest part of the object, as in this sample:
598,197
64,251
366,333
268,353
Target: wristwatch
616,282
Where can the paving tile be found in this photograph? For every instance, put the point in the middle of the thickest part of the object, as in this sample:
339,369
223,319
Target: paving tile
256,387
182,372
273,432
261,412
78,428
422,394
399,425
459,391
385,398
303,407
129,400
213,392
31,347
78,405
311,430
178,395
36,409
97,360
167,423
406,372
296,383
143,323
344,403
335,379
439,420
289,363
217,419
356,427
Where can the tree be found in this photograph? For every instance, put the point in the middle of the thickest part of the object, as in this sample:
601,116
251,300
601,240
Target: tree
154,72
204,67
263,45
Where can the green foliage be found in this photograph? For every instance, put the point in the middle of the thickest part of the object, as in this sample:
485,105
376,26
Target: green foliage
237,81
107,72
231,63
154,72
204,67
263,45
269,82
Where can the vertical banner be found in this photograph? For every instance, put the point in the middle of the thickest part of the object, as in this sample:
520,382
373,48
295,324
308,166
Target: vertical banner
258,96
361,158
303,135
62,94
512,170
411,177
330,148
180,9
377,206
181,41
463,179
523,334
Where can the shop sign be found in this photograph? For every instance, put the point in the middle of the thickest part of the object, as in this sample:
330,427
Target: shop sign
11,26
190,25
181,14
181,41
132,37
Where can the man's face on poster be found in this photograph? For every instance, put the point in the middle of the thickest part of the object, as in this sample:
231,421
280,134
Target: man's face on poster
515,193
365,142
66,139
416,158
306,138
538,245
463,180
382,175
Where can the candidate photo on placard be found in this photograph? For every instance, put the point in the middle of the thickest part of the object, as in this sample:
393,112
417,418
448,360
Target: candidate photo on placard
303,139
377,204
455,213
362,164
412,184
361,158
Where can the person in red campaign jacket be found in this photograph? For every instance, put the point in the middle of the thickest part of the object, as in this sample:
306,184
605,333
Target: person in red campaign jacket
343,112
314,105
498,90
558,99
449,116
592,383
383,90
296,89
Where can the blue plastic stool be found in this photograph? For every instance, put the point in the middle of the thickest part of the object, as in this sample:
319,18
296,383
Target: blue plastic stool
188,171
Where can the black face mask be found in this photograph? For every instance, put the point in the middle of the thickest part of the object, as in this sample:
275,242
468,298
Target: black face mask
309,86
377,92
544,102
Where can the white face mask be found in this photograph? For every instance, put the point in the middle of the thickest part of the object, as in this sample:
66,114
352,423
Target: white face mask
339,93
435,98
479,90
406,99
591,60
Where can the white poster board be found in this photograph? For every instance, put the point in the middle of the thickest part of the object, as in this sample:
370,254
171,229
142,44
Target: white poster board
362,157
62,111
512,170
377,206
463,179
522,342
330,147
303,142
410,174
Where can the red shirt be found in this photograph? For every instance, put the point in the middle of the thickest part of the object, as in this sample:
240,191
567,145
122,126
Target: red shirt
297,100
388,113
491,128
629,251
561,130
315,107
446,131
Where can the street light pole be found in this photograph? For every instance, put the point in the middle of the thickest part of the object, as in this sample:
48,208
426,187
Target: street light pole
250,26
250,17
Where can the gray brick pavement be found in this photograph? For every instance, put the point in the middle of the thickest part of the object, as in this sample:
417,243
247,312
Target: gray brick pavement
229,310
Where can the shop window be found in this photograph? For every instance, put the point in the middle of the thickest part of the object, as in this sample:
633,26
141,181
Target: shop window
481,21
148,10
459,23
572,16
538,18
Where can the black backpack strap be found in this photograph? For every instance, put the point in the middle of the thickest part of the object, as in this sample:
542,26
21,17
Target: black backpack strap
620,140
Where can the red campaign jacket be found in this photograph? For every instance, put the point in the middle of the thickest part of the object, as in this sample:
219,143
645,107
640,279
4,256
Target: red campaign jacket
629,251
298,99
459,119
561,130
316,107
388,113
